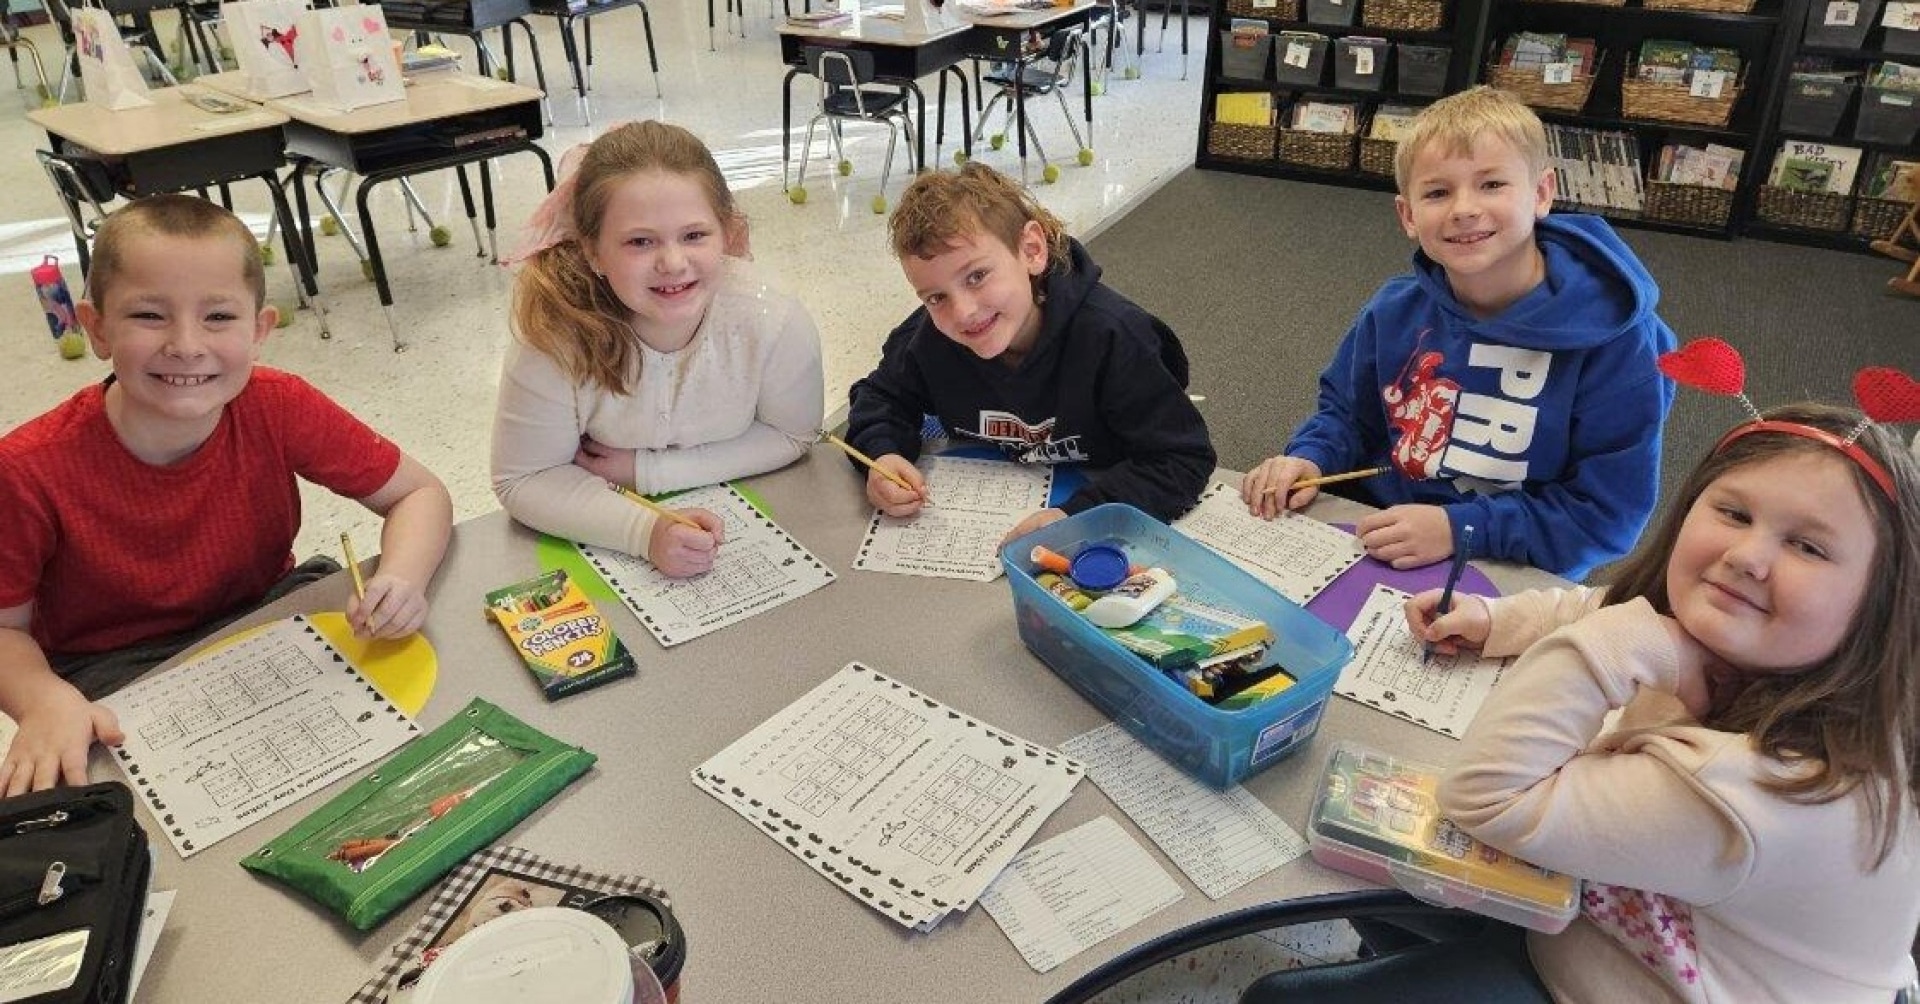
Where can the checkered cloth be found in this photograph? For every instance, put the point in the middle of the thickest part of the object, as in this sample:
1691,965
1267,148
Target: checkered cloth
460,885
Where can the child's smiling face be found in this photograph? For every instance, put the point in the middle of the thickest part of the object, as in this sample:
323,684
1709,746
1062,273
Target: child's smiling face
1772,562
979,292
1473,214
182,327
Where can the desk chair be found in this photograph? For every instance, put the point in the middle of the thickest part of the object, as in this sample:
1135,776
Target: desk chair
197,38
13,40
566,12
139,36
1107,31
848,93
1051,73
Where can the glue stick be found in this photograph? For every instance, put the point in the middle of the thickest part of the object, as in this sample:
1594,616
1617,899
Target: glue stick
1132,599
1064,590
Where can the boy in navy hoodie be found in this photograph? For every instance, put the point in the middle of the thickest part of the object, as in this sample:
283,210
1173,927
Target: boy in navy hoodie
1508,384
1016,344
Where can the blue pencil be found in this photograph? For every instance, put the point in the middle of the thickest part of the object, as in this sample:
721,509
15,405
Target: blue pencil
1453,579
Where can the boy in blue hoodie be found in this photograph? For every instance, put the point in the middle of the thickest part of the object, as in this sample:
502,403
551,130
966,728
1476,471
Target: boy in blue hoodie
1508,384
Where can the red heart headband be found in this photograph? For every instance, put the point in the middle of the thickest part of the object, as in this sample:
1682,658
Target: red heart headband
1885,395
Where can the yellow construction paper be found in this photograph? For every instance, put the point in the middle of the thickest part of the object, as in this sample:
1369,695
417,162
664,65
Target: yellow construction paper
403,668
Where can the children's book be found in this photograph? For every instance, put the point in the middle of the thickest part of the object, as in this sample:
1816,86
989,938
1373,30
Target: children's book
1390,122
1253,108
1811,166
1182,631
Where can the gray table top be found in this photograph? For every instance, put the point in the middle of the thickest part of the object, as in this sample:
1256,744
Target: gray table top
760,924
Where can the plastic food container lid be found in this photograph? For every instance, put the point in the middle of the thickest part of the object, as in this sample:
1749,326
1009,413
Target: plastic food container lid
543,953
1099,566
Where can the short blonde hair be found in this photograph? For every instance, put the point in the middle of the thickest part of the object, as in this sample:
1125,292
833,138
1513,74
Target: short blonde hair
1457,121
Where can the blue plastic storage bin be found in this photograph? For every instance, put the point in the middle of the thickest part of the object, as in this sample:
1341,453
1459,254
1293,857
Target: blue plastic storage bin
1220,747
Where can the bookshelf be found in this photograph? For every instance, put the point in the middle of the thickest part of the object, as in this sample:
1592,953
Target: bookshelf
1809,114
1417,36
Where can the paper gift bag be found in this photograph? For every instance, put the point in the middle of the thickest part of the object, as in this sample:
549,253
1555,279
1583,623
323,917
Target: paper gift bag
106,64
264,33
348,58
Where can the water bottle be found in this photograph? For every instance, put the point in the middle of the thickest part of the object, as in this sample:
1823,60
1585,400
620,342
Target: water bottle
51,287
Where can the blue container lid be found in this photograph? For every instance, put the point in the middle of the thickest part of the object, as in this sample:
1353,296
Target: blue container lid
1099,566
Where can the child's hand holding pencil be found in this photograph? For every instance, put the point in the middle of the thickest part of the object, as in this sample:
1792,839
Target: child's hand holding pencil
894,485
684,542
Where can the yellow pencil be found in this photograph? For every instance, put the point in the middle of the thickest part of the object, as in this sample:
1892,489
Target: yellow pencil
1329,479
353,567
658,509
870,462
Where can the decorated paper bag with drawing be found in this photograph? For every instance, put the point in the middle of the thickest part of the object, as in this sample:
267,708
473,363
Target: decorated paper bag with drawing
106,64
264,32
348,58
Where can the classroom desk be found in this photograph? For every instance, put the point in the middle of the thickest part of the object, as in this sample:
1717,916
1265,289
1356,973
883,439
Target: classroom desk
173,145
448,120
760,925
905,53
472,18
566,12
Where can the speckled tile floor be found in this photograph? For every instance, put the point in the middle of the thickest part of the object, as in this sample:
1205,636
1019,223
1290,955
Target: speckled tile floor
435,399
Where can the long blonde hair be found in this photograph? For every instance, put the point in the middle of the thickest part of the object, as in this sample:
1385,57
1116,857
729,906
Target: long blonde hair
563,309
1852,719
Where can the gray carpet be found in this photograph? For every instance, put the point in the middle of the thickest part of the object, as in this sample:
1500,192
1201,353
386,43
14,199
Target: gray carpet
1261,278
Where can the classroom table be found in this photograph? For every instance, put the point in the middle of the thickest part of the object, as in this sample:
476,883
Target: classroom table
935,43
449,119
566,12
173,145
760,924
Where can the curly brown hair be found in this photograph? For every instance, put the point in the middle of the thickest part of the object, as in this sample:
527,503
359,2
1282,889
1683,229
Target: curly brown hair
941,208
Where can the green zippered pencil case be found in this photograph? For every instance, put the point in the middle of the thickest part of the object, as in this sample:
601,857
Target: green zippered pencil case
418,815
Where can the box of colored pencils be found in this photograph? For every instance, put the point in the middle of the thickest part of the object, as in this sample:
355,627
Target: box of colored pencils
559,634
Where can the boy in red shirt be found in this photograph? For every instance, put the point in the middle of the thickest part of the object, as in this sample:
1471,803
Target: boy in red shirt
146,511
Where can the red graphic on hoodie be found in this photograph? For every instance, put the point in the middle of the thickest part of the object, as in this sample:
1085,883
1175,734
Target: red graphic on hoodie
1420,406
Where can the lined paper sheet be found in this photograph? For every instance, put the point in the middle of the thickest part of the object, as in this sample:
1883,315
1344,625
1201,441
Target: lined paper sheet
1296,555
1063,896
975,503
1443,693
1221,839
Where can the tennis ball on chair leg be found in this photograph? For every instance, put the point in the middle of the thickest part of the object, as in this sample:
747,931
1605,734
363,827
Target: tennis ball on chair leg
329,227
797,196
879,204
73,343
1086,157
1051,174
266,254
286,311
440,235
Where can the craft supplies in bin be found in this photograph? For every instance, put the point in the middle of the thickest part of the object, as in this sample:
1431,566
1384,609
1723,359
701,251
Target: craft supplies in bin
1375,816
1815,103
1334,12
1403,15
1221,747
1839,24
1300,57
1422,69
1360,64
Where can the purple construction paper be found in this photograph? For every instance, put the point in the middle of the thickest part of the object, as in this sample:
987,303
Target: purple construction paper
1340,602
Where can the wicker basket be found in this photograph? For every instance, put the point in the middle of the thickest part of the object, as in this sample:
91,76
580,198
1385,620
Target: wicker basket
1810,210
1878,218
1404,15
1249,142
1529,85
1282,10
1640,99
1330,151
1376,156
1696,205
1704,6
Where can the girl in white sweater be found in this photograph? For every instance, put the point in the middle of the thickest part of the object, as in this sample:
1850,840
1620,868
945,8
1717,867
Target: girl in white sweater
647,355
1747,827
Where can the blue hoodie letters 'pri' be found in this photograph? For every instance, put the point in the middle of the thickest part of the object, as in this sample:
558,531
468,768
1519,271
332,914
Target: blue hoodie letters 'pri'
1539,427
